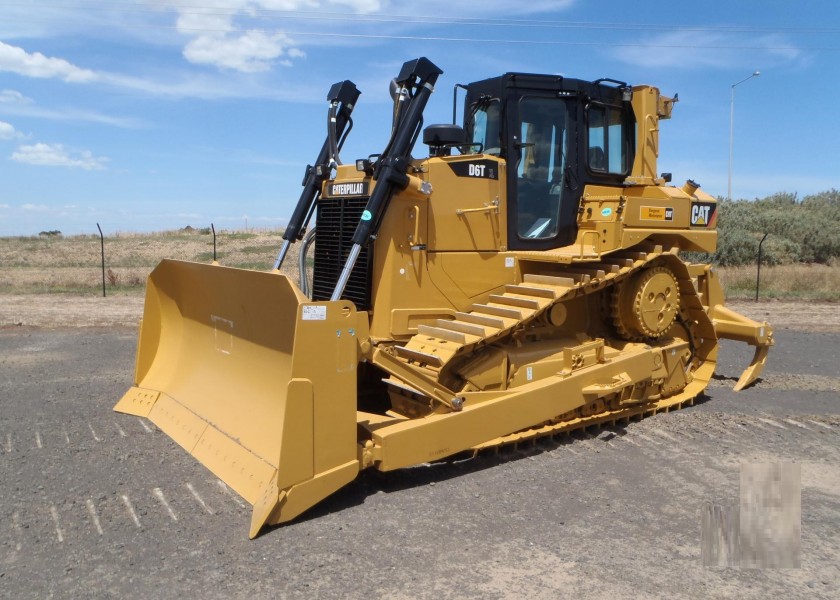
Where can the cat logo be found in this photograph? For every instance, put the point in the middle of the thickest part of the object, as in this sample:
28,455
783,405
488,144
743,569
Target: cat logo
703,214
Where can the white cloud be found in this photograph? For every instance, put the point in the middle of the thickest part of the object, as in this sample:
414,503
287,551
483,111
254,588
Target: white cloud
8,132
56,155
250,52
69,114
17,60
238,34
238,37
34,208
219,40
182,85
4,206
687,49
13,97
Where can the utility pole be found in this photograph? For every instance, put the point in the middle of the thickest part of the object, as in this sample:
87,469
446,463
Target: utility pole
732,129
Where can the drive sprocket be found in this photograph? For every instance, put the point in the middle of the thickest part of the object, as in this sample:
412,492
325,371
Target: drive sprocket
645,306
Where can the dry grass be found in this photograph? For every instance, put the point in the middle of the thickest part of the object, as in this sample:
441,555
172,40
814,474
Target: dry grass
792,282
73,264
55,264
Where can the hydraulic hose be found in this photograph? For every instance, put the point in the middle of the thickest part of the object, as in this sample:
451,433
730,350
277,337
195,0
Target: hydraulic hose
306,242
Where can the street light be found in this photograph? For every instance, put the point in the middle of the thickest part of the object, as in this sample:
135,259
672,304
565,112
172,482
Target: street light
732,129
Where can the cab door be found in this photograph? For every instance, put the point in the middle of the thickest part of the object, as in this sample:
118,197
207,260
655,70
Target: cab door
542,207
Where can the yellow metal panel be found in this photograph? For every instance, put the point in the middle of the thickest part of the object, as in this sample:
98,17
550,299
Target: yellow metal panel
466,213
326,353
296,431
472,273
646,109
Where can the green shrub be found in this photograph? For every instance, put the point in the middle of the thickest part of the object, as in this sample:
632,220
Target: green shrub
803,231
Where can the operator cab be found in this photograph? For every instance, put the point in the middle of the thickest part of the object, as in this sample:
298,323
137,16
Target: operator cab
557,135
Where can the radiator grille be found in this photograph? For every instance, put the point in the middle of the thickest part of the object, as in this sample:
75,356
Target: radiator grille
336,222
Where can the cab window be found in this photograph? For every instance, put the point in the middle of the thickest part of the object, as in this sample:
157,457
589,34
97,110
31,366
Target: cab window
607,140
486,127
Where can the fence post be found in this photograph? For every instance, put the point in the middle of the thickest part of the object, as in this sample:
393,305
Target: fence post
102,252
758,270
213,227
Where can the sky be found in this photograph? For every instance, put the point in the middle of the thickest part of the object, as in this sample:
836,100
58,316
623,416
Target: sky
144,115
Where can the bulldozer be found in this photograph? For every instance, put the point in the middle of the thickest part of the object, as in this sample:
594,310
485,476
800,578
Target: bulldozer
527,278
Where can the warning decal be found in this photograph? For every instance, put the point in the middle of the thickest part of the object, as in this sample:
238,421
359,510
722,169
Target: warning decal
314,312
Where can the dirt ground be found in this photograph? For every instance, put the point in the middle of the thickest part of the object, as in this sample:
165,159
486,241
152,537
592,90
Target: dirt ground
102,505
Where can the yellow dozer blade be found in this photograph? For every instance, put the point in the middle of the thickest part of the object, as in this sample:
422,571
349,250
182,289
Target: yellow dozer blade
253,380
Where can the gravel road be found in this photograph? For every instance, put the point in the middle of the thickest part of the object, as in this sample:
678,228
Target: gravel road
98,504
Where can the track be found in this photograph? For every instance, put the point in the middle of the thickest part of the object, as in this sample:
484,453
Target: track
435,348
